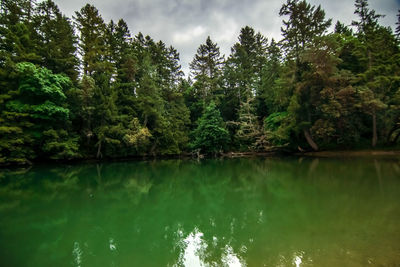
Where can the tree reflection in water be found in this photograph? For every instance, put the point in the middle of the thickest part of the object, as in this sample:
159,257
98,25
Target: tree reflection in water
242,212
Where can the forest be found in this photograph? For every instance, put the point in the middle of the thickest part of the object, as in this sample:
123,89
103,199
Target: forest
84,88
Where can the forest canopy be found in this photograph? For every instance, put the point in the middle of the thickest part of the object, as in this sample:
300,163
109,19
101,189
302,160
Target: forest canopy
81,87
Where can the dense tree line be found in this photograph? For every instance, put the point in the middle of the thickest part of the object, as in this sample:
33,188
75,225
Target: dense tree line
82,88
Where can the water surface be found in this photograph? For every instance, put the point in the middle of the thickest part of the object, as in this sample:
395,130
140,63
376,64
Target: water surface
239,212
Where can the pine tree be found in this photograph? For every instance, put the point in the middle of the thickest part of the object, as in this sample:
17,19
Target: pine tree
126,66
96,55
304,24
150,102
15,46
368,19
16,31
210,136
176,112
206,71
248,127
398,24
92,41
55,39
15,141
245,63
192,101
268,99
332,96
42,115
378,52
340,28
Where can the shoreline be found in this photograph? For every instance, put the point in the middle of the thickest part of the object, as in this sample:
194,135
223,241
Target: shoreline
231,154
349,153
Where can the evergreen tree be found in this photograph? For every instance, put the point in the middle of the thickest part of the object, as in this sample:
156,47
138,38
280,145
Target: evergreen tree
83,107
16,30
55,39
15,141
269,99
176,112
15,46
192,101
342,29
206,71
368,19
92,41
41,111
127,96
398,24
210,136
126,65
96,54
332,96
150,102
245,64
248,127
378,53
160,102
305,25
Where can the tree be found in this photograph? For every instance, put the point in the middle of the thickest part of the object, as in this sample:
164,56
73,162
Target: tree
41,111
55,39
248,127
334,102
92,41
398,24
161,105
15,141
16,32
206,71
97,63
368,19
192,101
269,99
176,112
83,107
210,136
378,51
15,46
305,24
244,65
342,29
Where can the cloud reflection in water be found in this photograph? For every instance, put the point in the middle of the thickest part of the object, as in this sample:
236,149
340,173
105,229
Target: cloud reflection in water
194,250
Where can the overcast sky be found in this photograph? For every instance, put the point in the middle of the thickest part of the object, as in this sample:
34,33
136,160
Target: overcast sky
185,24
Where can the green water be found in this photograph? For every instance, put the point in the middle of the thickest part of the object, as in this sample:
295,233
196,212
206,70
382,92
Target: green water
239,212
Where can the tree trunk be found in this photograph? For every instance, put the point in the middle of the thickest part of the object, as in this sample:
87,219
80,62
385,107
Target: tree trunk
309,139
153,148
99,150
374,133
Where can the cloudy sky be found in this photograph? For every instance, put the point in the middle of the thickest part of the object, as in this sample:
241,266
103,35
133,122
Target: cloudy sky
185,24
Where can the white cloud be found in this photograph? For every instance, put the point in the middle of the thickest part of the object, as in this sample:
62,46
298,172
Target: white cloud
188,35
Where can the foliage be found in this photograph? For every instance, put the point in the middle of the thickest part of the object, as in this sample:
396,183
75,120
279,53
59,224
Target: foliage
206,71
210,136
37,114
85,88
248,128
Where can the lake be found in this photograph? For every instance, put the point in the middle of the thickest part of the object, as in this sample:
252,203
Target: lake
233,212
